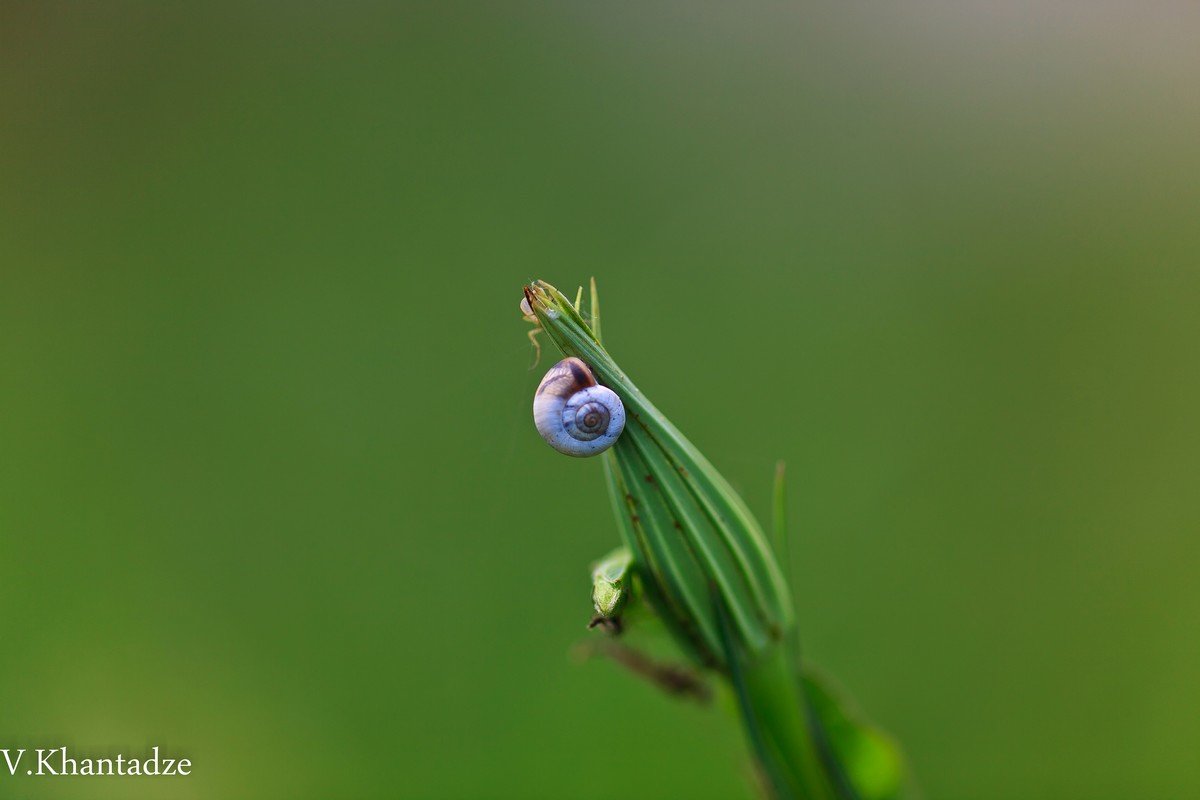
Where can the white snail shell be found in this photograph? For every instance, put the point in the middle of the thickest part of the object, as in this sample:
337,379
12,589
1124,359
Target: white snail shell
574,414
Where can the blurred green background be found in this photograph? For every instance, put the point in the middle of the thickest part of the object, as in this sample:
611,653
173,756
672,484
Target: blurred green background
270,494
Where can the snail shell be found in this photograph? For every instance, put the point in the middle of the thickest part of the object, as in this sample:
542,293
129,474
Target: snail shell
574,414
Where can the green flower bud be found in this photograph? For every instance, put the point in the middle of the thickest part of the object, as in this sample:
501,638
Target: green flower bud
610,583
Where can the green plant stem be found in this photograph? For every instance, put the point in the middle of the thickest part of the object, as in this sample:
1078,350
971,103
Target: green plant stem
774,716
704,559
772,691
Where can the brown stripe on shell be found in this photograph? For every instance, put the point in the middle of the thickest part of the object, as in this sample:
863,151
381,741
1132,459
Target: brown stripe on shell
566,378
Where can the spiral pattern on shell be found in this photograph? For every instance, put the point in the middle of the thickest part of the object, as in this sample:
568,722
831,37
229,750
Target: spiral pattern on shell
574,414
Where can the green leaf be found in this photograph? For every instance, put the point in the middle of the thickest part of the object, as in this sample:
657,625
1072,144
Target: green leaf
870,758
707,568
688,525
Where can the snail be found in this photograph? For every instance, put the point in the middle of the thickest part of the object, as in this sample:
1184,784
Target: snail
574,414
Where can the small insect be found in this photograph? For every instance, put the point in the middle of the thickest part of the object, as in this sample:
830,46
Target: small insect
574,414
528,315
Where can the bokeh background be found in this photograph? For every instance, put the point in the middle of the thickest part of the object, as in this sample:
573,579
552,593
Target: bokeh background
270,496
